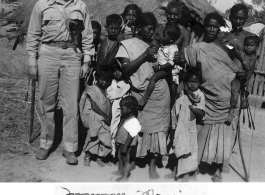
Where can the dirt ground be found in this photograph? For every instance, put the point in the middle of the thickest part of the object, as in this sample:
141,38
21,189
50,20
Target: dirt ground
18,163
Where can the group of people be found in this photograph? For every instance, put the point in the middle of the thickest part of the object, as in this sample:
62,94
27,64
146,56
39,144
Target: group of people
149,92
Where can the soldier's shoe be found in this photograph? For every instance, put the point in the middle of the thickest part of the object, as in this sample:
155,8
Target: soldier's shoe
70,157
42,154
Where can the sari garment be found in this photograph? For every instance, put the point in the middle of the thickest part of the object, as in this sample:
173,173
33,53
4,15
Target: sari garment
185,144
97,127
155,116
215,138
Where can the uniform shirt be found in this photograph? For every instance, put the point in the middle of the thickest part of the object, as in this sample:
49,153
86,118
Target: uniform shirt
48,24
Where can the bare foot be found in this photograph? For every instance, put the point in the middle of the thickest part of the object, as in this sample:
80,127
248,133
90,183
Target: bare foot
230,118
100,163
109,163
117,173
143,101
132,166
123,178
153,174
184,178
217,178
170,176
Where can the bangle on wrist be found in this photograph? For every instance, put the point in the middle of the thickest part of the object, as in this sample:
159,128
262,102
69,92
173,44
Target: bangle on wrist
159,67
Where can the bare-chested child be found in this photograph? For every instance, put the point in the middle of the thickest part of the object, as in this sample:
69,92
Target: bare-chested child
248,58
238,17
126,137
165,59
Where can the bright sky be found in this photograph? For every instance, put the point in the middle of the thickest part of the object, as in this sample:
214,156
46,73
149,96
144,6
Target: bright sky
223,5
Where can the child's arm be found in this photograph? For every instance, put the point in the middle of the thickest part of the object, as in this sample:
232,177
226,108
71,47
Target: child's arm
96,109
199,114
252,63
127,143
165,67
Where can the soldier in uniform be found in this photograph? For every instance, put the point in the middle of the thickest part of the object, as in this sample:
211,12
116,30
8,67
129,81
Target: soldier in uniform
59,47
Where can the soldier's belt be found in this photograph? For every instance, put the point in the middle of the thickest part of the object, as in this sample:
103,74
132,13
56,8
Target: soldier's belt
61,44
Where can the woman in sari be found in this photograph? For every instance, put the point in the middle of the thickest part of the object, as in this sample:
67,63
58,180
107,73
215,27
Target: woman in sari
136,57
215,137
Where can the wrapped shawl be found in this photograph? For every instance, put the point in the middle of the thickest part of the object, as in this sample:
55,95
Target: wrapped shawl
215,138
95,123
218,70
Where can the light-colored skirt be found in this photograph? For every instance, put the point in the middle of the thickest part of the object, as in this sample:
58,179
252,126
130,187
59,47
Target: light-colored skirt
154,120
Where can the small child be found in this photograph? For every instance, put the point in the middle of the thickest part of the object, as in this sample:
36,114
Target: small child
109,46
118,89
248,58
95,112
126,137
165,56
185,138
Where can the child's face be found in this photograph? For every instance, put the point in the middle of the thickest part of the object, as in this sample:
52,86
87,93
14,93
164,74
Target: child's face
193,83
96,35
167,39
250,47
130,18
103,82
117,74
113,30
125,110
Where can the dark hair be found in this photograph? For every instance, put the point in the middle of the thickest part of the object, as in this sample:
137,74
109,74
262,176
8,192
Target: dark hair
130,102
173,31
131,7
193,72
174,4
96,25
146,19
215,16
104,72
113,19
255,38
238,7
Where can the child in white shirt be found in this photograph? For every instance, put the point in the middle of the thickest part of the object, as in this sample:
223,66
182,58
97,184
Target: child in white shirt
126,136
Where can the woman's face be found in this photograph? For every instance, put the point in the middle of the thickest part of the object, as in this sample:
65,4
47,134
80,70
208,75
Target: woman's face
146,32
130,18
238,20
212,29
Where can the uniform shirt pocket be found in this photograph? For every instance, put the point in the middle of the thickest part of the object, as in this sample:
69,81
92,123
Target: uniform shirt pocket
52,21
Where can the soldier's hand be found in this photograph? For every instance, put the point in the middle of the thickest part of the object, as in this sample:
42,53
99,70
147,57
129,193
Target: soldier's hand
33,72
85,69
